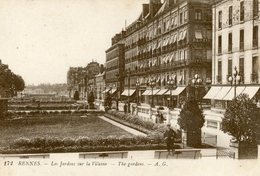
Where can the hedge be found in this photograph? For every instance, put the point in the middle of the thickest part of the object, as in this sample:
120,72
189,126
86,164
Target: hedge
110,143
134,120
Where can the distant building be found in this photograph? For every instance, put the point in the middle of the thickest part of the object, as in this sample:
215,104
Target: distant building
82,79
75,79
93,68
100,85
115,65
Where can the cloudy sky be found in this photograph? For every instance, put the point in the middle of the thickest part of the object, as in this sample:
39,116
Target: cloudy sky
41,39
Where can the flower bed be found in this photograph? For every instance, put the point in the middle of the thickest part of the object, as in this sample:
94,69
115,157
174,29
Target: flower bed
14,114
134,120
153,130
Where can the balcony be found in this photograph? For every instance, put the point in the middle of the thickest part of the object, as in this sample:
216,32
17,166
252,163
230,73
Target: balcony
219,79
241,46
254,78
255,43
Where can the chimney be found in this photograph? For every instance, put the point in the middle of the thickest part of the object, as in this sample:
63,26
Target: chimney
145,9
172,2
154,6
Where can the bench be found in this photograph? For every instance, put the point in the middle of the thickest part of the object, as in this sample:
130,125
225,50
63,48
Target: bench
26,156
109,154
178,153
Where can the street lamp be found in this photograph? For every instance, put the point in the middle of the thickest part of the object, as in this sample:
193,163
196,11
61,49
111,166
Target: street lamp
100,92
172,83
196,81
236,78
128,75
137,91
152,83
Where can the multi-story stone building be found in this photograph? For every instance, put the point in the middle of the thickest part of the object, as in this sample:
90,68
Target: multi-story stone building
235,50
115,65
74,79
82,79
169,40
92,69
100,85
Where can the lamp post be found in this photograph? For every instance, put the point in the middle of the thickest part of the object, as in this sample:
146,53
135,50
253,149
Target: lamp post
100,92
118,87
197,82
128,76
236,79
152,83
172,83
137,91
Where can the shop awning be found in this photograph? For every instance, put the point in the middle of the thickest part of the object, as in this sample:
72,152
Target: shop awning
146,92
162,91
128,92
212,92
222,93
251,91
112,91
106,90
155,91
176,91
231,93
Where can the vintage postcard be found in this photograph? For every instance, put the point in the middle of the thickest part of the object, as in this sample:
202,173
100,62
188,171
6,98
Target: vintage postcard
133,87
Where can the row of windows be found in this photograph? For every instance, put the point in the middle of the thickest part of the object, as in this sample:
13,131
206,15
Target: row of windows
241,40
163,26
231,13
167,58
240,68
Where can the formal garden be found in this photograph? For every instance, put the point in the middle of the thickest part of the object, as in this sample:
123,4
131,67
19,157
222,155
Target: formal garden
73,131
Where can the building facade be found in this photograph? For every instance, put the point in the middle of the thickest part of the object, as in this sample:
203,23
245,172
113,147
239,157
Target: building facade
115,65
235,51
169,41
82,79
92,69
75,80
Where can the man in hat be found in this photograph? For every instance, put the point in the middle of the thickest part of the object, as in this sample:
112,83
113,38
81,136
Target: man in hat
169,137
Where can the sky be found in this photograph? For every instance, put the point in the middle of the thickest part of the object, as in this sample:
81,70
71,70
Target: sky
41,39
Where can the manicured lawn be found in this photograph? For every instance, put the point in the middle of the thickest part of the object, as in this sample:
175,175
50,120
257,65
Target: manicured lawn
57,126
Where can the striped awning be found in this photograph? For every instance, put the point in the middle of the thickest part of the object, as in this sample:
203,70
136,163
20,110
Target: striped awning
212,92
162,92
128,92
146,92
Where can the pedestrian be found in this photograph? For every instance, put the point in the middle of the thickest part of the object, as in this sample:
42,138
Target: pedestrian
169,137
125,108
161,118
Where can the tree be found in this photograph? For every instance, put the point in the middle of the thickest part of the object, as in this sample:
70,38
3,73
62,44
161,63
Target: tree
18,83
191,120
241,119
91,100
10,82
76,95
